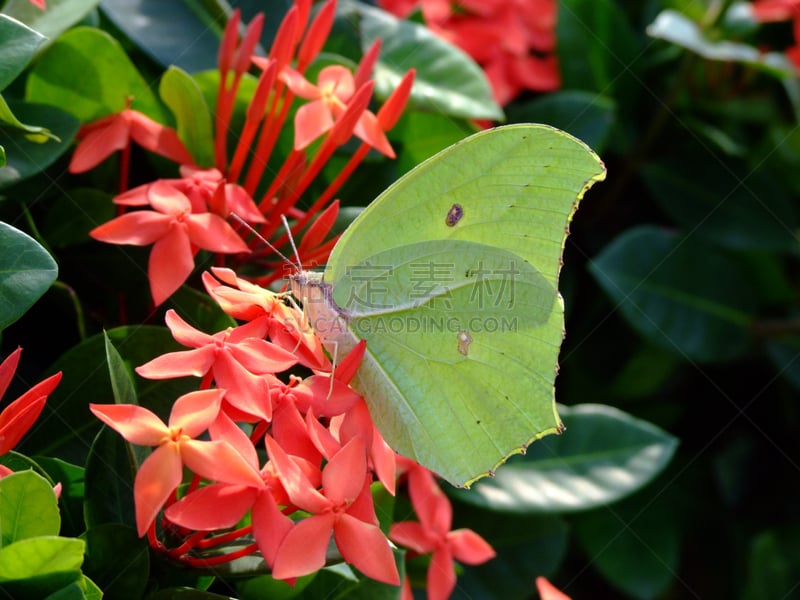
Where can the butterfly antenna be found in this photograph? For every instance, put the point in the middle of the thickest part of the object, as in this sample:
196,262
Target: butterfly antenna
291,241
260,237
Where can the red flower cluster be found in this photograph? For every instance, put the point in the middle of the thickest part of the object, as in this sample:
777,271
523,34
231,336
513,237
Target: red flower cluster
781,10
513,40
18,417
186,215
323,453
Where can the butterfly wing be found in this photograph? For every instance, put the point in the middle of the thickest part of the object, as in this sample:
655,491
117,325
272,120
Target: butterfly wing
451,276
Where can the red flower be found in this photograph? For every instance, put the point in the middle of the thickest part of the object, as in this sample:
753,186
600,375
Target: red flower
161,472
782,10
343,509
175,232
18,417
237,358
432,534
101,139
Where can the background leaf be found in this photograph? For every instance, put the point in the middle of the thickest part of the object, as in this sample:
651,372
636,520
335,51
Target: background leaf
26,271
659,282
59,16
603,456
18,45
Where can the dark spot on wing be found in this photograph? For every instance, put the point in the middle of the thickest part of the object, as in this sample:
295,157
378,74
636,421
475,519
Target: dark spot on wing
454,215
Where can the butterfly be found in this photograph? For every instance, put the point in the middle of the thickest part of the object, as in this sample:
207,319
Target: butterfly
451,277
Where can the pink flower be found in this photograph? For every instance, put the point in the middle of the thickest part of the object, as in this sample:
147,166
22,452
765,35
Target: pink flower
547,591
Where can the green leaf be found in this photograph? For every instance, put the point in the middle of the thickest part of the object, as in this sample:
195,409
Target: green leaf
34,133
36,567
71,479
186,594
183,96
18,45
117,560
28,508
121,380
423,134
171,33
586,115
709,198
59,16
27,155
635,544
773,564
26,272
604,455
447,81
597,49
108,78
660,283
110,471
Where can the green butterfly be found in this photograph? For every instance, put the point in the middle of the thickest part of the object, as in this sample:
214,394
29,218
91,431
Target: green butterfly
451,277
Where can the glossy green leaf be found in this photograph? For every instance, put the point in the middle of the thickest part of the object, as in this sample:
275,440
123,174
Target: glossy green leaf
121,379
59,16
183,96
526,545
28,508
604,455
26,272
447,81
180,33
18,45
108,77
30,153
186,594
37,567
635,545
710,198
71,479
33,133
586,115
659,281
117,560
110,471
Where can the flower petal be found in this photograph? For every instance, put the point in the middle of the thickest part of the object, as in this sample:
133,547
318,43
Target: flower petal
547,591
211,232
366,548
138,228
441,575
412,535
158,138
171,262
219,461
262,357
310,122
343,477
99,143
135,423
185,334
215,506
194,412
7,369
469,548
184,363
270,526
303,549
157,478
